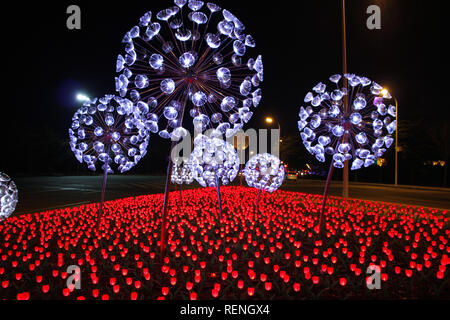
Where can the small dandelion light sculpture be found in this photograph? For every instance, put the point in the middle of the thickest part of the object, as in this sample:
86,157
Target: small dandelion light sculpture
109,133
9,196
191,53
214,161
350,121
182,174
264,172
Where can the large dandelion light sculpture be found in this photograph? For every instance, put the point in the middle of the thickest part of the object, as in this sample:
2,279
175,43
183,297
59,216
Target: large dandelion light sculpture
264,172
360,133
351,121
195,54
192,58
109,133
9,196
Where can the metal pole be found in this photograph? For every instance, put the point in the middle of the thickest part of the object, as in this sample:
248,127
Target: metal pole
279,139
344,69
325,194
167,189
279,132
165,205
396,142
218,196
102,198
181,194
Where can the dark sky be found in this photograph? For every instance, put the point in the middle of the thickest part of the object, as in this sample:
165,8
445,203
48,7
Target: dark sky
46,64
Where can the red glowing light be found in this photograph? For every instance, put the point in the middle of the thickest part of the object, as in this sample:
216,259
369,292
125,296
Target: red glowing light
410,245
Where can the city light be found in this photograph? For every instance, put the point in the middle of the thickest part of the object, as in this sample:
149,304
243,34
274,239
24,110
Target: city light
269,120
82,97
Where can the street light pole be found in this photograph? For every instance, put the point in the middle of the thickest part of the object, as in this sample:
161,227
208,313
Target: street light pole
269,120
396,142
344,69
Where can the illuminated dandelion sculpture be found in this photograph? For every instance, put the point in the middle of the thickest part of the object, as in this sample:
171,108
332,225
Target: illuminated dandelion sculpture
193,55
214,161
9,196
351,121
181,173
264,172
109,133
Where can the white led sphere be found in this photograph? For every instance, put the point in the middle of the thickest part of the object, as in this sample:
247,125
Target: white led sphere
211,158
264,172
9,196
360,133
181,172
110,131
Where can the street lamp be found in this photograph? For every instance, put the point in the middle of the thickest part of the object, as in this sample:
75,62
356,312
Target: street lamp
82,97
385,92
270,120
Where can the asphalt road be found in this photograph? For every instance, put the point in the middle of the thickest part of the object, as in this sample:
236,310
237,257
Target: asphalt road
39,194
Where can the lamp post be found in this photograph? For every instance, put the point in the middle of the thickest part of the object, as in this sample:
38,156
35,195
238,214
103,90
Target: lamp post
82,97
385,92
270,120
396,141
345,175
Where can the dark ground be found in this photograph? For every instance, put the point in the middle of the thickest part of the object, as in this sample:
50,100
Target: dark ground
45,193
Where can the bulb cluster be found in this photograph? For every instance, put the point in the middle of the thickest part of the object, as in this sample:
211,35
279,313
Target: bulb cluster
181,172
191,53
9,196
354,124
213,158
264,172
111,130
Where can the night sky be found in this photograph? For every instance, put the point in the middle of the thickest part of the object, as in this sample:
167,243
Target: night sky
46,64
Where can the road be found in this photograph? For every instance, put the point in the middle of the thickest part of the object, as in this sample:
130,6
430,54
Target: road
39,194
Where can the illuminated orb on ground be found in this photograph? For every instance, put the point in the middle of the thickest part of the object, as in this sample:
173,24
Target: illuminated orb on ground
211,158
9,196
181,172
191,53
109,130
264,172
362,134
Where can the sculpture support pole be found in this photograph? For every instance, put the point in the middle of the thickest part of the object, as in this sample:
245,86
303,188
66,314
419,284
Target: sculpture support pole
167,189
102,198
325,194
218,196
165,205
257,200
181,194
